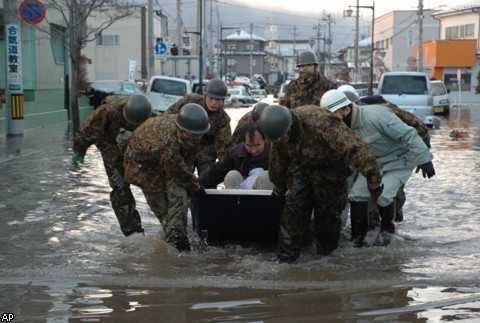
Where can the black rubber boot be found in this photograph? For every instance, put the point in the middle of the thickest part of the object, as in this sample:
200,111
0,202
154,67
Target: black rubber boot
359,223
387,227
179,240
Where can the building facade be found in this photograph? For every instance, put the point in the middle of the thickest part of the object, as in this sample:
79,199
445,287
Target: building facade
457,51
44,71
396,36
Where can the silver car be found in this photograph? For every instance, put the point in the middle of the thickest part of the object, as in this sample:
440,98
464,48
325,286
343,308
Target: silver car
238,97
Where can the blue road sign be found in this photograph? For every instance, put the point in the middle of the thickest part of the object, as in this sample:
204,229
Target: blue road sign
160,48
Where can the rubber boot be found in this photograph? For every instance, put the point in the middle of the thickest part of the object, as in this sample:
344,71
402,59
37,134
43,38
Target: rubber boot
387,227
359,223
178,239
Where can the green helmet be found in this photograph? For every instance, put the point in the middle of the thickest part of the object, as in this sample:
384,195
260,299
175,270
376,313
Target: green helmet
306,58
257,110
275,121
216,88
137,109
193,118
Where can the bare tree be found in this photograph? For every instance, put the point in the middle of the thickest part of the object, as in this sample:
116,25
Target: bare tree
75,15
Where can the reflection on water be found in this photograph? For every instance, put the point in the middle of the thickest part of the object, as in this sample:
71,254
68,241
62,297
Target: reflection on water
64,258
62,300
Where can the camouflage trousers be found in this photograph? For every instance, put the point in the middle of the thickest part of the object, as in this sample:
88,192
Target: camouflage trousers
374,215
170,205
321,189
121,198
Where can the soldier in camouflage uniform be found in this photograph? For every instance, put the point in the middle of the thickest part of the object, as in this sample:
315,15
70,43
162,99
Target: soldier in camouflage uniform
398,148
101,129
214,143
250,116
309,87
308,167
409,119
160,160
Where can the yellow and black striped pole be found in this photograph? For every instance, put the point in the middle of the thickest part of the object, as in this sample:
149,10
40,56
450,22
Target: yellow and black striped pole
18,111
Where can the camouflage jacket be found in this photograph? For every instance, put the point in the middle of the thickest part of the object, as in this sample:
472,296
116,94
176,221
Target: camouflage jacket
155,151
319,139
102,127
412,120
307,92
244,120
219,138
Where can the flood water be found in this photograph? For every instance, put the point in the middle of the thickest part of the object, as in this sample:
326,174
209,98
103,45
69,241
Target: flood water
63,257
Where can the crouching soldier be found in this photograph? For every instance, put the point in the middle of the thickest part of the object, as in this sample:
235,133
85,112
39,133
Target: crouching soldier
101,129
160,160
310,151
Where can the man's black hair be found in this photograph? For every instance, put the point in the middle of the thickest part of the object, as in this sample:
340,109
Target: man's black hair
250,129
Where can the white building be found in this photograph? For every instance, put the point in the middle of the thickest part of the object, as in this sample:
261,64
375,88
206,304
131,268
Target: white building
396,36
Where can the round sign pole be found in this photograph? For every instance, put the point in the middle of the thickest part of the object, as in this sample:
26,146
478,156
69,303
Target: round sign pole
32,11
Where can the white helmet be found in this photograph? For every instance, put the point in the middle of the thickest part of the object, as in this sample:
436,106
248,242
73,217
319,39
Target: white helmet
350,92
334,100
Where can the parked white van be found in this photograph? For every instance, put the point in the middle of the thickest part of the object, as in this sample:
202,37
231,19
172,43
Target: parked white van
410,91
441,97
164,91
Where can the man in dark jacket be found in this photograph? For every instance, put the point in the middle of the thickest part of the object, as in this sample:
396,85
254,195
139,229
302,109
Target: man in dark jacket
245,165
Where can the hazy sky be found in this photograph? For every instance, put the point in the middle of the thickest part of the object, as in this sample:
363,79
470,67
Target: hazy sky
289,14
337,6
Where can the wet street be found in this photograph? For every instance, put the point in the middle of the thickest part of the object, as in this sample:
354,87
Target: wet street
63,257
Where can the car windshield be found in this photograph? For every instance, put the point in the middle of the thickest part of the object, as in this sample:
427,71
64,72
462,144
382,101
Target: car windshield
169,87
438,89
404,84
235,92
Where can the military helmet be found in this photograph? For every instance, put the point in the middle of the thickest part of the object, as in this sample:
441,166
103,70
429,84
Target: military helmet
216,88
306,58
350,92
275,121
193,118
257,110
334,100
137,109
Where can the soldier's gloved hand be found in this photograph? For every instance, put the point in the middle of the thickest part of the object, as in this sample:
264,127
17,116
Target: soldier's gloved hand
376,189
77,158
427,169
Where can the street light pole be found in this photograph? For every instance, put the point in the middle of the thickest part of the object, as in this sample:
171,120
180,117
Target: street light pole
349,14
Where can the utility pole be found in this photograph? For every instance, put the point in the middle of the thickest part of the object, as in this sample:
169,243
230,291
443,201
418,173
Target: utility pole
200,45
317,27
251,49
179,29
151,41
319,53
420,36
294,38
329,21
355,73
13,71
